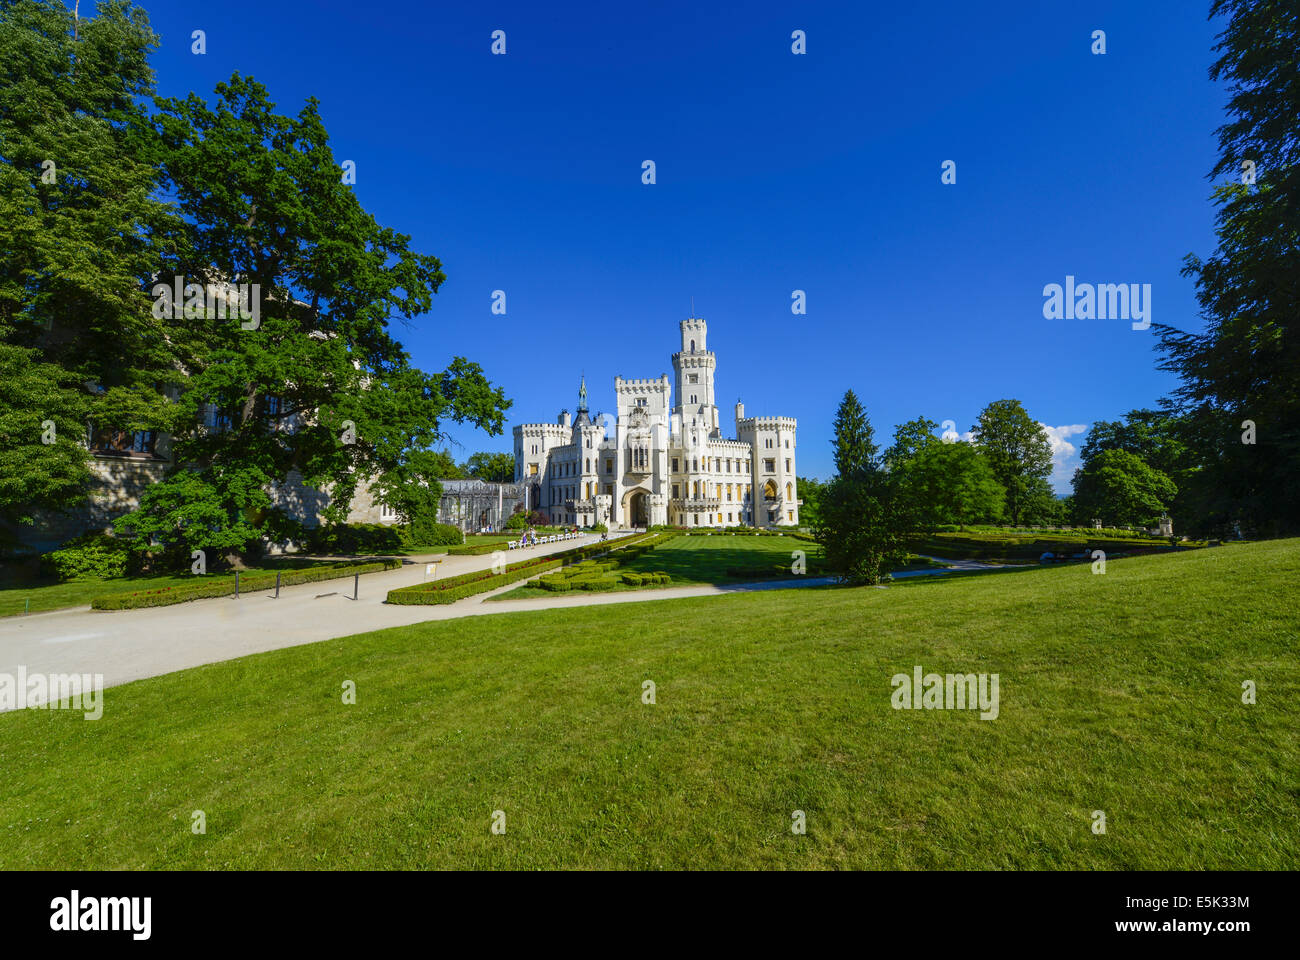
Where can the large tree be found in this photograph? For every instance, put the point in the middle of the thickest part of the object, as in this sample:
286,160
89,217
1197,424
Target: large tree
316,385
949,483
1017,449
1120,489
811,492
1159,439
491,467
82,230
1246,365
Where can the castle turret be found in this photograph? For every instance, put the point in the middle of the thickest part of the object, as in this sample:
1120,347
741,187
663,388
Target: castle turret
694,366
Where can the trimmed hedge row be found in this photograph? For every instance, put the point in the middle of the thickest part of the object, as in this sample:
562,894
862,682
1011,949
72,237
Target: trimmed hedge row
480,581
248,583
646,579
589,575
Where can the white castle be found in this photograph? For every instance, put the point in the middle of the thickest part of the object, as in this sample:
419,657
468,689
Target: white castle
665,463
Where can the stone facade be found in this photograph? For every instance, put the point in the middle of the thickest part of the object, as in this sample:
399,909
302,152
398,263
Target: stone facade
662,462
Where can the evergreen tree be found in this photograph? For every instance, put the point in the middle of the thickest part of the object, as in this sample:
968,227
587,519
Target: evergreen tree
82,231
1246,365
855,446
860,523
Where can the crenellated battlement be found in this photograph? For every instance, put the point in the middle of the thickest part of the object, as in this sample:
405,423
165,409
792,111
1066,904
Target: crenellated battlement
642,385
768,423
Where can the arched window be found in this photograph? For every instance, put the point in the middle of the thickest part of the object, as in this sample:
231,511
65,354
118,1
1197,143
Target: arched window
789,492
692,346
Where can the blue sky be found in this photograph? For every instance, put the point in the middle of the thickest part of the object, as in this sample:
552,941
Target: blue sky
775,172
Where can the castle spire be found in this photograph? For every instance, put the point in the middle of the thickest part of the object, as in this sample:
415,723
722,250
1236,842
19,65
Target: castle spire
582,395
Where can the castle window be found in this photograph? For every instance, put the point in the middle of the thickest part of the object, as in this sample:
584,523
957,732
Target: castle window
789,492
787,464
588,470
787,443
769,466
129,443
695,465
676,467
676,491
693,350
609,466
694,378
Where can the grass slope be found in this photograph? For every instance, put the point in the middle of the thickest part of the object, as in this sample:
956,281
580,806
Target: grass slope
1119,693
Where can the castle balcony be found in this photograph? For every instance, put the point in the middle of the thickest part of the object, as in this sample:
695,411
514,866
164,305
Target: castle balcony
580,506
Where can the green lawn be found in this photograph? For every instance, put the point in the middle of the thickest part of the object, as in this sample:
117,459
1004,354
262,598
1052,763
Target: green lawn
1119,693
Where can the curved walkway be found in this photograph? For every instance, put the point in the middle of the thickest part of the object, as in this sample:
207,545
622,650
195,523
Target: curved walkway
126,645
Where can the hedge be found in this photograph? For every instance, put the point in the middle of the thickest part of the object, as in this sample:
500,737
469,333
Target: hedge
248,583
594,584
480,581
91,556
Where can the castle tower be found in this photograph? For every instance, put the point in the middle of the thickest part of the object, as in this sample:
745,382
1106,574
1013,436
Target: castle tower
693,367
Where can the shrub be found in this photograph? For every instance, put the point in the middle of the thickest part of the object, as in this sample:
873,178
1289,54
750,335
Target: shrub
594,584
633,579
91,556
554,583
422,533
355,538
599,528
517,521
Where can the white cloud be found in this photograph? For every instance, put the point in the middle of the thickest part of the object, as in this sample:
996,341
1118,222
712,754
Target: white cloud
1064,453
